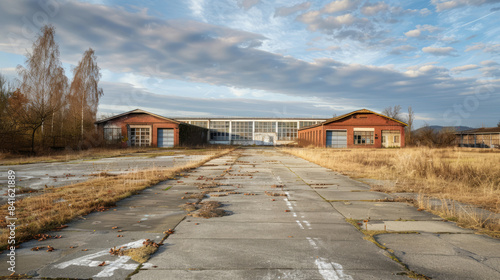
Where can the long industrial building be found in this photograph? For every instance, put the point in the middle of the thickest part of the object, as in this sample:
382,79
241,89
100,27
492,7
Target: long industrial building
362,128
252,131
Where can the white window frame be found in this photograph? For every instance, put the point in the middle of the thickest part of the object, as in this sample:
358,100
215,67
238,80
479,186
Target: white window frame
141,126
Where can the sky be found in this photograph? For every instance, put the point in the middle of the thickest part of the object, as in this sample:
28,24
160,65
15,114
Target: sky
283,58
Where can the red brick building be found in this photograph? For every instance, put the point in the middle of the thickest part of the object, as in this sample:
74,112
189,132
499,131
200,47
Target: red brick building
138,128
358,129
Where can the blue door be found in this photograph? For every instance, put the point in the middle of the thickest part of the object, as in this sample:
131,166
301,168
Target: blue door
165,137
336,138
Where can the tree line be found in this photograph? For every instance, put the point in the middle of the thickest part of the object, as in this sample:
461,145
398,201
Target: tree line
43,110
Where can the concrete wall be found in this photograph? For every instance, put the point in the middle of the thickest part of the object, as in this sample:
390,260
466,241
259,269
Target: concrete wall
317,135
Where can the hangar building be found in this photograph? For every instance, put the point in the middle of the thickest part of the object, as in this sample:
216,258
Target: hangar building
139,128
358,129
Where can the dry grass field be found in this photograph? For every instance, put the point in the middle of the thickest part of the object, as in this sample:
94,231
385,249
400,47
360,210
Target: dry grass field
470,176
57,206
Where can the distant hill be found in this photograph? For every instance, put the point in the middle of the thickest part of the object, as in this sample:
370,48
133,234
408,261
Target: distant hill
438,128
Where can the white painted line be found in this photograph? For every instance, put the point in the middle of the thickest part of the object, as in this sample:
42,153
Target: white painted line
307,224
300,225
312,243
111,266
120,263
331,271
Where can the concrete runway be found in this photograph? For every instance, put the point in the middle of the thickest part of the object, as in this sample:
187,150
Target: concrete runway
301,234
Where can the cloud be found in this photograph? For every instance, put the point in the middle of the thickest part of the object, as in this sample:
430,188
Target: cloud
442,5
340,6
485,47
329,48
322,20
491,69
120,97
444,51
361,21
286,11
196,7
425,12
489,62
247,4
460,69
420,28
370,9
401,49
413,33
316,22
495,9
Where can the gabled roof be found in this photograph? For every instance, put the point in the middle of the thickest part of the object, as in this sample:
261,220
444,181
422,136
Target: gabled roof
362,111
480,130
137,111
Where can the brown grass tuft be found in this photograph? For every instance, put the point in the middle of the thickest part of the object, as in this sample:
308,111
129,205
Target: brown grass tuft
210,209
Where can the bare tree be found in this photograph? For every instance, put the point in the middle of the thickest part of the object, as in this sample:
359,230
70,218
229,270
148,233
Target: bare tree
85,90
6,90
498,124
393,112
42,82
409,121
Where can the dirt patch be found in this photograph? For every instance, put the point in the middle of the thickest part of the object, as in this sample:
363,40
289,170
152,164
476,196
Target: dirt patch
210,209
274,194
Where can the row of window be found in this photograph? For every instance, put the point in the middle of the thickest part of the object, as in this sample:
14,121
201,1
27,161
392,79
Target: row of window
243,130
363,138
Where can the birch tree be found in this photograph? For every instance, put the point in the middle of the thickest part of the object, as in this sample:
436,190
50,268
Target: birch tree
42,81
409,121
85,90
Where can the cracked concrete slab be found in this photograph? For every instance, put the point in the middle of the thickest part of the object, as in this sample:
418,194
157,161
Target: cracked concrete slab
446,256
418,226
349,195
361,210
